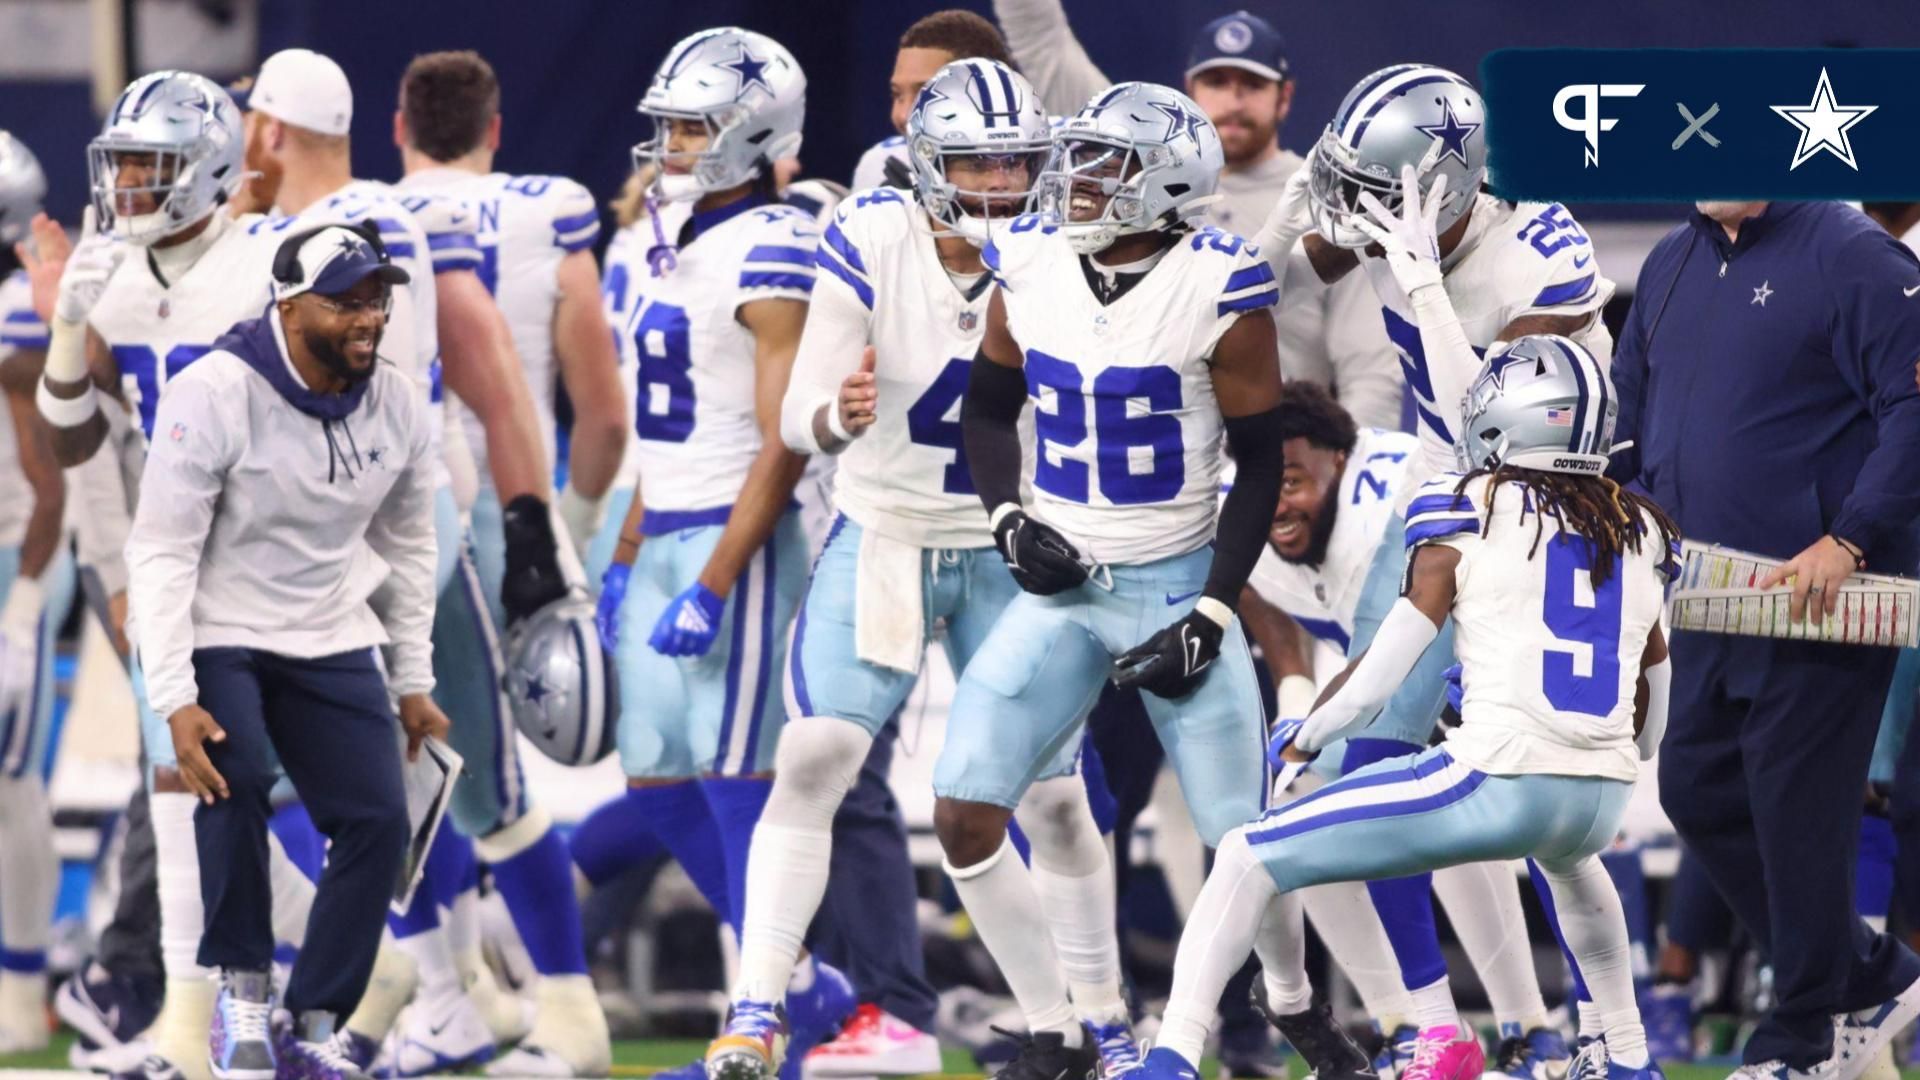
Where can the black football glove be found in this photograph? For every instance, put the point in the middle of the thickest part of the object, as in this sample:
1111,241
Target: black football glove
533,578
1171,663
1041,560
896,173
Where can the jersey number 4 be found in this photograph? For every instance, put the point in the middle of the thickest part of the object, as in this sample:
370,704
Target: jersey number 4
1117,435
934,421
664,409
1592,621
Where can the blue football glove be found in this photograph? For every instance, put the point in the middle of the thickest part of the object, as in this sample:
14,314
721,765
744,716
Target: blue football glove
606,613
1282,736
1454,692
690,623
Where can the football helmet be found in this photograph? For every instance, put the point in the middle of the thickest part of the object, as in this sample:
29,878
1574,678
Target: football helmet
1408,114
22,186
980,110
561,686
1545,404
192,131
748,92
1149,149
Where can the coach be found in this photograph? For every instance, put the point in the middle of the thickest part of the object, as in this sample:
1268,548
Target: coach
285,530
1766,378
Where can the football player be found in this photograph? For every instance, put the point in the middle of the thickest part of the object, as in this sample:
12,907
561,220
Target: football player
891,332
712,559
1535,555
535,236
36,587
1410,141
1143,341
931,43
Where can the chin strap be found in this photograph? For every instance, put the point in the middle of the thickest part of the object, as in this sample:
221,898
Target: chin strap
661,257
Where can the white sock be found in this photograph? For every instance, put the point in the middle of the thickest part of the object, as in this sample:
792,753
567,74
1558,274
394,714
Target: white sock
462,922
180,1032
177,869
1344,916
788,864
1074,881
29,869
292,894
1587,1019
1281,946
1433,1005
388,991
1227,916
999,897
570,1024
1595,928
433,962
1483,904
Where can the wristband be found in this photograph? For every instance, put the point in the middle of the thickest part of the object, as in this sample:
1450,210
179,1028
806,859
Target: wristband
67,412
999,514
1217,611
1851,548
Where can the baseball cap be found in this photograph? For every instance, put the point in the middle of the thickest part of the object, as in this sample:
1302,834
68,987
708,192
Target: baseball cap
329,261
305,89
1242,40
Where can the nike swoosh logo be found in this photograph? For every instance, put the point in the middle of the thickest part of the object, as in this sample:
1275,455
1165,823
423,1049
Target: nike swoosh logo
1183,597
1910,292
1193,654
1580,261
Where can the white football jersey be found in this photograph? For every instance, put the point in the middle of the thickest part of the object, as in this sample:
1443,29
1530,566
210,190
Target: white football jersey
1127,433
1515,259
871,170
155,329
1550,664
626,254
1322,598
523,226
694,407
20,328
906,477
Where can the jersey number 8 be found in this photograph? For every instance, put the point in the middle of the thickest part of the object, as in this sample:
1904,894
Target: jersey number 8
663,410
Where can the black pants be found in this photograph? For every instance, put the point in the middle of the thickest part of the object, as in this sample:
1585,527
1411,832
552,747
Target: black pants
329,722
1763,772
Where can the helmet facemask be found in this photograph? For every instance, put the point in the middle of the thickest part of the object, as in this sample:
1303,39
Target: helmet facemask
169,172
973,212
1087,169
698,172
1335,184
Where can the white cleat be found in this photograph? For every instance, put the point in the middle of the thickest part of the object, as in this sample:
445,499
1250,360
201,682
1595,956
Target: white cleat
569,1036
445,1033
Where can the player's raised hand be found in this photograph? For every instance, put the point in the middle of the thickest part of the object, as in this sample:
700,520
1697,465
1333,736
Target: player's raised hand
85,270
1817,574
44,258
192,728
419,718
1409,236
859,398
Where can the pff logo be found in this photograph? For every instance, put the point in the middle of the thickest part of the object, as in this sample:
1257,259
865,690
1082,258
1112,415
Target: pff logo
1590,123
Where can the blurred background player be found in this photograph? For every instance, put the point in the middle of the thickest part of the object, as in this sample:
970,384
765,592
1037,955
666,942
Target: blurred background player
535,236
36,588
711,561
931,43
897,317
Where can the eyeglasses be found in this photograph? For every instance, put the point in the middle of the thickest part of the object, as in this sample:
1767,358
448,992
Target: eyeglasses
381,305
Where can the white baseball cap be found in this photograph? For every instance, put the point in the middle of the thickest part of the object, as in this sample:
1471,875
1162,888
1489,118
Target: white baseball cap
305,89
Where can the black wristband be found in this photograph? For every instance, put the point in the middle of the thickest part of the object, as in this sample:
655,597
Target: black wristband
1259,458
990,430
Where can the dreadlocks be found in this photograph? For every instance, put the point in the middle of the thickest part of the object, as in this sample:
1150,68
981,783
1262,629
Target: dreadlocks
1611,519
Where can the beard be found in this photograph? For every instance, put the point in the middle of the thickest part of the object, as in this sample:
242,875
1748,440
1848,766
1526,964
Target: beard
1322,533
329,353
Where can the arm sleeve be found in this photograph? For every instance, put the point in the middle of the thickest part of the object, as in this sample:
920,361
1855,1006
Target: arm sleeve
1876,339
1259,458
576,220
1047,53
1659,692
185,473
402,533
830,346
1399,643
1451,361
990,430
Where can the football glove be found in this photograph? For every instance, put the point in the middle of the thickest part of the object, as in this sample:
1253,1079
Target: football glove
533,579
1171,663
1041,560
1454,690
1410,237
84,280
1284,771
606,611
689,624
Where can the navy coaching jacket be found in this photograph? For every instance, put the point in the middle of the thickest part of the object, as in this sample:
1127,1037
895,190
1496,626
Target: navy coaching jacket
1768,385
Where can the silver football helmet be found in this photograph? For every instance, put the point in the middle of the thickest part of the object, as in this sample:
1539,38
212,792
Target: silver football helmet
983,114
749,93
560,685
1149,149
184,132
1544,404
22,186
1408,114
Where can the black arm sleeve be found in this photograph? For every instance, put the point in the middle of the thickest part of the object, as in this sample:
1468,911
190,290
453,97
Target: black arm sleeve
1259,456
990,431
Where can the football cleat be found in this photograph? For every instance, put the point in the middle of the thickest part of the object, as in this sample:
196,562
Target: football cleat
1327,1049
753,1045
239,1046
875,1043
1045,1055
1536,1054
817,1014
1592,1063
1119,1051
327,1057
1446,1053
441,1033
1164,1064
108,1012
1396,1051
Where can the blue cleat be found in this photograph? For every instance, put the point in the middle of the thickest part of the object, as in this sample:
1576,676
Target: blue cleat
816,1014
1592,1063
239,1045
1164,1064
1536,1054
1396,1051
754,1044
1119,1051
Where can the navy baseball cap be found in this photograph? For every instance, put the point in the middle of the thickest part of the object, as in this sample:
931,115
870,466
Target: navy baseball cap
329,261
1241,40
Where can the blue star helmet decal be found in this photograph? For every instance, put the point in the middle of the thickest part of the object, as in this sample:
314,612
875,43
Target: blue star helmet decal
1179,119
929,95
750,70
536,690
1497,368
1450,133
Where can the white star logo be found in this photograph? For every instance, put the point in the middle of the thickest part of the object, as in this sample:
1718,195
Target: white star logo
1760,295
1823,125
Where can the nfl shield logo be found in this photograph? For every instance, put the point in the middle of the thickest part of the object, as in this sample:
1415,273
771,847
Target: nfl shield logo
179,432
969,320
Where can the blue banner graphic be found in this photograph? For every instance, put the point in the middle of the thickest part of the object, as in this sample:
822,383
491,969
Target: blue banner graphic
1686,124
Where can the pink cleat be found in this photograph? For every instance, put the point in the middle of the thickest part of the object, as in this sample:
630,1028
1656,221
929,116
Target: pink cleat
1446,1053
875,1043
